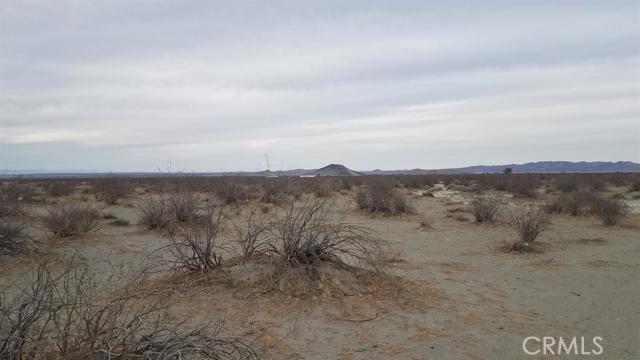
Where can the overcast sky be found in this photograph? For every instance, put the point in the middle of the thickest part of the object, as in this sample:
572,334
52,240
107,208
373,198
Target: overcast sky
214,86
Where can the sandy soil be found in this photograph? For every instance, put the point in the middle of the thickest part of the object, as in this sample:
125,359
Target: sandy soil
460,298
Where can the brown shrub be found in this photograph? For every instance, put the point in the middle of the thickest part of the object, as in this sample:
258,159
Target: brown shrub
153,213
110,190
610,211
230,191
484,209
73,315
13,238
528,223
71,218
306,235
381,197
252,238
198,248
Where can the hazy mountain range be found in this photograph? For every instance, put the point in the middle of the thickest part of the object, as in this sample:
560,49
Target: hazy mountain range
341,170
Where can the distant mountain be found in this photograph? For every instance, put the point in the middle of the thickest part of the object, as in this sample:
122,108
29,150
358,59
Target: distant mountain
341,170
334,170
532,167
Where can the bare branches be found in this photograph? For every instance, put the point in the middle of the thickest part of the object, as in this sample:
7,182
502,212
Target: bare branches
484,209
71,315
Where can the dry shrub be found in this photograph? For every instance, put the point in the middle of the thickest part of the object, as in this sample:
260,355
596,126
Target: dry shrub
12,237
72,315
528,222
252,238
274,190
71,218
231,192
382,197
183,205
60,188
110,190
635,185
610,211
484,209
198,247
307,235
153,213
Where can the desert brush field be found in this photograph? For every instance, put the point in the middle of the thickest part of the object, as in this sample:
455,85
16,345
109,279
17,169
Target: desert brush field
355,267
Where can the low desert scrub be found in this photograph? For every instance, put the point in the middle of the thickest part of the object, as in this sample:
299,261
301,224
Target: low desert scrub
60,188
382,197
70,314
528,223
635,186
610,211
153,213
198,247
252,238
120,222
71,218
13,238
307,235
275,190
484,209
110,190
231,191
183,205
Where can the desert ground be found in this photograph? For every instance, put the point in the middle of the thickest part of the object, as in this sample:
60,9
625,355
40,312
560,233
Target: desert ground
440,286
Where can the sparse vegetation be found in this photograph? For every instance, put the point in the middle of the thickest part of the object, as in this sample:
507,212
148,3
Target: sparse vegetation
253,238
13,237
306,235
153,213
529,223
110,190
198,248
484,209
71,218
73,315
183,205
610,211
381,197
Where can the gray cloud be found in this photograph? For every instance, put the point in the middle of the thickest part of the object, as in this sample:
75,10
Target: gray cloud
215,85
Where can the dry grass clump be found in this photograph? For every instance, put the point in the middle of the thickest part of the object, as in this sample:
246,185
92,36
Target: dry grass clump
110,190
484,209
73,315
382,197
611,211
528,223
153,213
71,218
13,238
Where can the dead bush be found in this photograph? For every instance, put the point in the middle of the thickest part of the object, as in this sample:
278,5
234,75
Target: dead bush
231,192
610,211
110,190
382,197
274,190
252,238
306,235
635,186
13,238
72,315
198,247
183,204
153,213
484,209
71,218
528,222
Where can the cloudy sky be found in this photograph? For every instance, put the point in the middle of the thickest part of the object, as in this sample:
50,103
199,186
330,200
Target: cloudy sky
214,86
